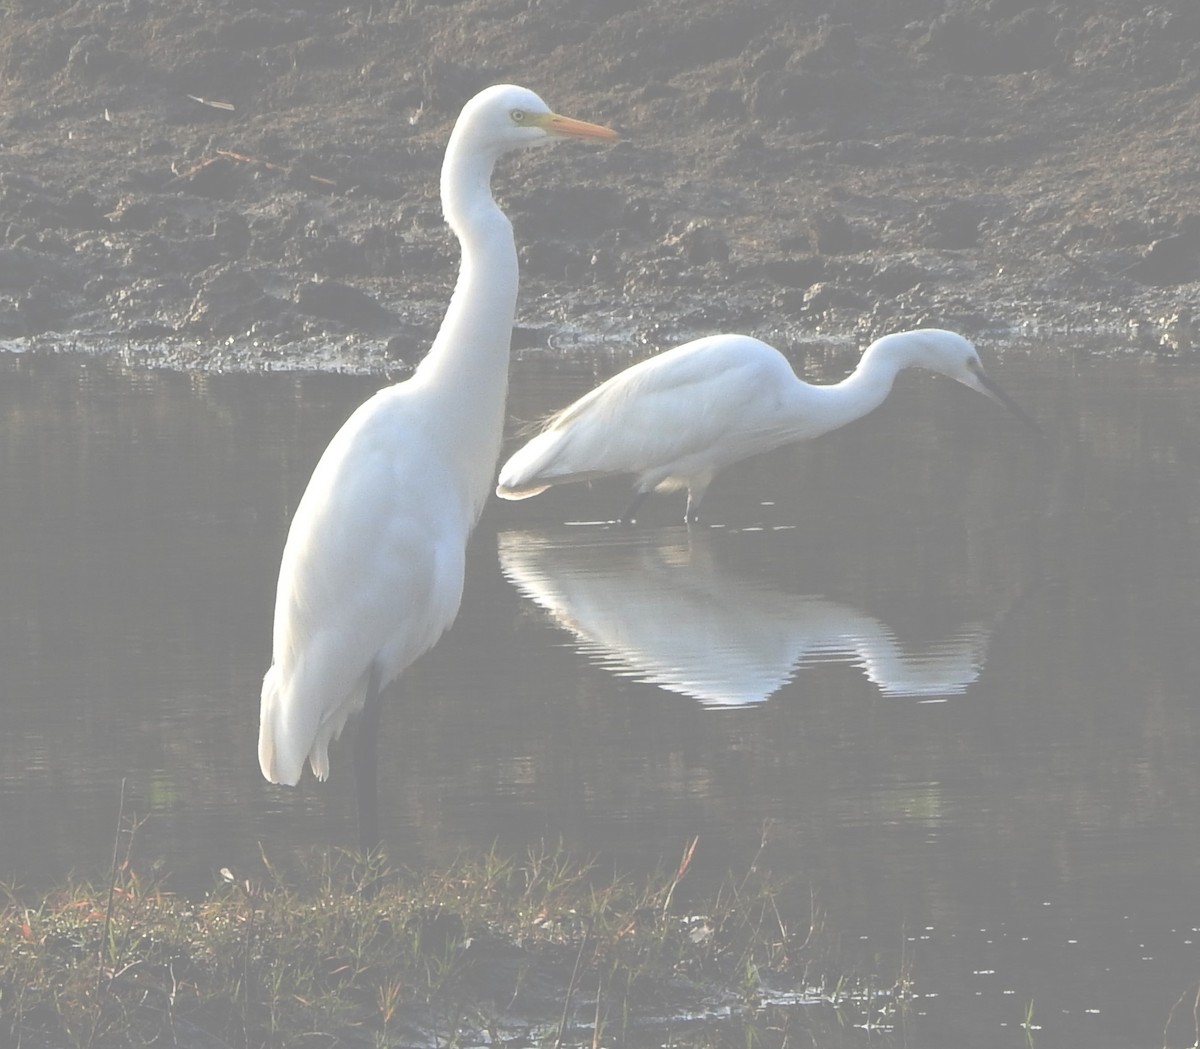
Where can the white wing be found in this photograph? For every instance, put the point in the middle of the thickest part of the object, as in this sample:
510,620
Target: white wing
693,408
372,573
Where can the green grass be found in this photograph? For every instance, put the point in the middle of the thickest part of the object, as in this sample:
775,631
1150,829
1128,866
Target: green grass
538,951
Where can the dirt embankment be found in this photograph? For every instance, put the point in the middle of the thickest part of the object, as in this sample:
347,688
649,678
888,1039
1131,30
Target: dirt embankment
233,183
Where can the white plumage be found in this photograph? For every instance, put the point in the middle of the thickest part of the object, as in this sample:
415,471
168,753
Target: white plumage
675,420
372,570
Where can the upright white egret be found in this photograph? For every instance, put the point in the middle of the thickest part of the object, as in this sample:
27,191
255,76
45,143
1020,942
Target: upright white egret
674,420
372,570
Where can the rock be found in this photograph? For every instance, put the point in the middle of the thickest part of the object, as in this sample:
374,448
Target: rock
12,324
1177,331
646,216
82,210
835,47
134,213
830,233
894,277
41,309
405,349
231,302
338,256
1028,42
723,102
699,244
333,301
218,178
821,298
858,154
800,271
966,43
447,85
90,58
951,226
231,234
568,212
252,30
1169,260
780,94
553,260
20,268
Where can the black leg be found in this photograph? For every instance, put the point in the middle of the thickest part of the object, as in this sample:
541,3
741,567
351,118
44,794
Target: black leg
366,769
629,517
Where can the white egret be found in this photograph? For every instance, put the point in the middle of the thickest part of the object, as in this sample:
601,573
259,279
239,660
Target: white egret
675,420
372,570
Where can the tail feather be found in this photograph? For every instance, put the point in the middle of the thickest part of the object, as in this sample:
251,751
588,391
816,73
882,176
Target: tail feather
278,761
527,492
531,469
291,731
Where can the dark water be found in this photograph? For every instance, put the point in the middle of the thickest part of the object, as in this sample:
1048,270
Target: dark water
948,672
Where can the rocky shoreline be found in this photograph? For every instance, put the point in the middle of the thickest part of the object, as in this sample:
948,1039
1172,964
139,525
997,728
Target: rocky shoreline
228,185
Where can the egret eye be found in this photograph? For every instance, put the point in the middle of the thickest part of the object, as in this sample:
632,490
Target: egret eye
518,116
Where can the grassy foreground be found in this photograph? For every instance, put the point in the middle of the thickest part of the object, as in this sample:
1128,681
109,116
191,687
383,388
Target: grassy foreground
490,951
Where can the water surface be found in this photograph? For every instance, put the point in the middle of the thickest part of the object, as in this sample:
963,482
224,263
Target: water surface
947,671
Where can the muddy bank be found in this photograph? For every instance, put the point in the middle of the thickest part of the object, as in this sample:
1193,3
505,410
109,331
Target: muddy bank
232,185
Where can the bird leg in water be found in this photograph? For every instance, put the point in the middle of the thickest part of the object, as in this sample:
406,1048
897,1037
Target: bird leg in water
366,768
629,517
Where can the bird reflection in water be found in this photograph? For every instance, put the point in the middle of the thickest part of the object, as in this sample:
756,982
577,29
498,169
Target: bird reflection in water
657,607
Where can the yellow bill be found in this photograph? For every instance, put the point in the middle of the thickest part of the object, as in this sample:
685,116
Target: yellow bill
569,127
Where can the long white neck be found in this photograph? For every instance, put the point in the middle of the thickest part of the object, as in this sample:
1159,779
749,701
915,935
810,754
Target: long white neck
466,369
819,409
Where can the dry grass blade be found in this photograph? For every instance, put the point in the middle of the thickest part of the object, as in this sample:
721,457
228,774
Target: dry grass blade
213,103
684,864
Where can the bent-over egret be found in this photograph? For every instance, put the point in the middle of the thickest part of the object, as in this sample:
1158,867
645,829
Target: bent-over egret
372,570
676,419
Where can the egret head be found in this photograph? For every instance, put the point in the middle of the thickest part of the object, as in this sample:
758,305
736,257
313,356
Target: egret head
949,353
506,117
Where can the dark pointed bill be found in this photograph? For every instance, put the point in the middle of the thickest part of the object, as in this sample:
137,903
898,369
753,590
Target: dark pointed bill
996,392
